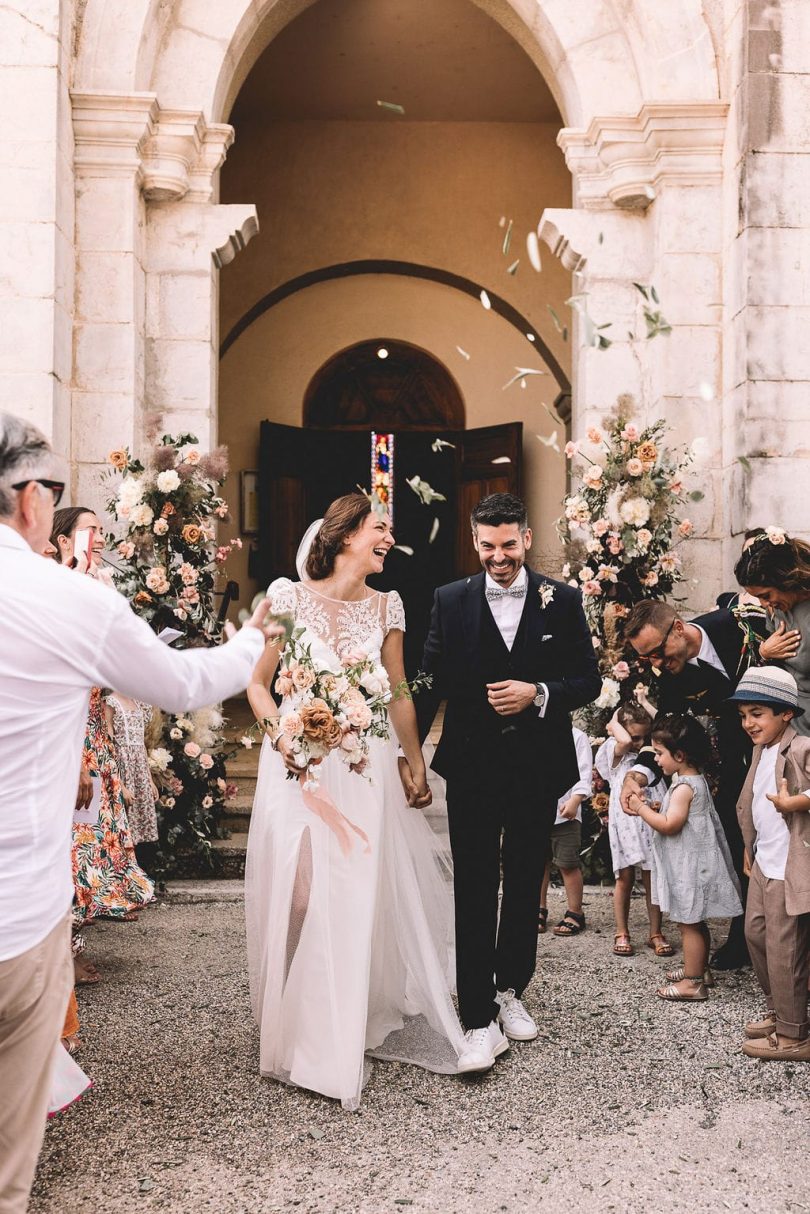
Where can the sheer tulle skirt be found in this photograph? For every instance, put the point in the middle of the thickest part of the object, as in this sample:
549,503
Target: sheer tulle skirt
348,954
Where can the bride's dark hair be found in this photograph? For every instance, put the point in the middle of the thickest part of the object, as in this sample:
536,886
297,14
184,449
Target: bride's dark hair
341,520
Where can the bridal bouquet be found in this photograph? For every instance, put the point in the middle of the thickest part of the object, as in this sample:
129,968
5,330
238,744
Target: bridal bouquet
329,711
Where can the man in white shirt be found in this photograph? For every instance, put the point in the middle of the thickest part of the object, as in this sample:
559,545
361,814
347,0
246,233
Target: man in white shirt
61,634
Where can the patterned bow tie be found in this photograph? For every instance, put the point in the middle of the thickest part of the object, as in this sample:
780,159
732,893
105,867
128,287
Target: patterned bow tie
501,592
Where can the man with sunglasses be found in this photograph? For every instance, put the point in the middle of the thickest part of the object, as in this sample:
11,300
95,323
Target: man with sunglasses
62,634
697,665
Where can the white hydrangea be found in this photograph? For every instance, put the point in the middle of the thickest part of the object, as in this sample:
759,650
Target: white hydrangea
635,511
141,515
130,492
159,758
167,481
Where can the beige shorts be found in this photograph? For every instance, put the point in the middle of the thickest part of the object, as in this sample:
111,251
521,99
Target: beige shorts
566,842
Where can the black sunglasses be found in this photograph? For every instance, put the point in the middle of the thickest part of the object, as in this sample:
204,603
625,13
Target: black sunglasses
57,488
657,654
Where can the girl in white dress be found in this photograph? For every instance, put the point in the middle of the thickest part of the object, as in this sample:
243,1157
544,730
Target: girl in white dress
350,952
630,838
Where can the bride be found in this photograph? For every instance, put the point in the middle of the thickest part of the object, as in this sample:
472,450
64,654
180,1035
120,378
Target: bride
349,950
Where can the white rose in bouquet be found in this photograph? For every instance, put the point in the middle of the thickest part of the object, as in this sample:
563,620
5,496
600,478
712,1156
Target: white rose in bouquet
167,481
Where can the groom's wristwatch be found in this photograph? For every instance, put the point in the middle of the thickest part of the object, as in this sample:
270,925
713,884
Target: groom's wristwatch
540,699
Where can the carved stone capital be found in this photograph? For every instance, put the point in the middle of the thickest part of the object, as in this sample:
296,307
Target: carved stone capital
174,153
626,160
111,131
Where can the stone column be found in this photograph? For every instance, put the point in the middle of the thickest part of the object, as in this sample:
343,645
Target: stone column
647,211
36,214
767,251
149,242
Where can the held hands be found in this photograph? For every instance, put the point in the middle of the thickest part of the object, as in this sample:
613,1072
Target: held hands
633,804
632,786
781,644
511,696
415,786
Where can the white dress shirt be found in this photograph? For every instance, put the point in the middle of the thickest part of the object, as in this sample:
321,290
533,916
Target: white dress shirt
707,652
62,633
773,836
507,610
584,785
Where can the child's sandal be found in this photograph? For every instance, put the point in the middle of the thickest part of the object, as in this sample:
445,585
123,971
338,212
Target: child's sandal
542,920
672,994
678,975
571,924
660,945
623,950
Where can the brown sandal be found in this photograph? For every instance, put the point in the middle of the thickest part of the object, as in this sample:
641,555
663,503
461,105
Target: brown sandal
663,948
623,950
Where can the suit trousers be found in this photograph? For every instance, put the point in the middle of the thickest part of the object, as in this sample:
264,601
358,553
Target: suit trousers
34,992
500,829
779,945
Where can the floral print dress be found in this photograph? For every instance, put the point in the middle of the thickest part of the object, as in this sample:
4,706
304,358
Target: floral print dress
129,724
107,880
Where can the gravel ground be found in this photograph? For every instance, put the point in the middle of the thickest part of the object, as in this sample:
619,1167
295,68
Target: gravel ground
623,1103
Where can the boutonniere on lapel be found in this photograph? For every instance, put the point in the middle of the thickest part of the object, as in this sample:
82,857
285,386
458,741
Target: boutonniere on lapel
546,593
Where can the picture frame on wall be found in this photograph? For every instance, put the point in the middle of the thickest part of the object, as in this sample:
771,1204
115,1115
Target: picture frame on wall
249,503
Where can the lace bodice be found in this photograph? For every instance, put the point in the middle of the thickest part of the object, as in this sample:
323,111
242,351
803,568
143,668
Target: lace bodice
129,723
343,627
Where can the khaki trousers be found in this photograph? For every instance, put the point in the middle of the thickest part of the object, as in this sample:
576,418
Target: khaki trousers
34,990
779,945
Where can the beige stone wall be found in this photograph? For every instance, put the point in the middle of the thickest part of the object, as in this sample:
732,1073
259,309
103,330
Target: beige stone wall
428,193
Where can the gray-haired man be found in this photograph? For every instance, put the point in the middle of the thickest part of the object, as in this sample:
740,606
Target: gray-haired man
62,634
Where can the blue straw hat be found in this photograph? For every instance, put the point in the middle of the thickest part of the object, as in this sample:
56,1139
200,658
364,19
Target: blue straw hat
769,685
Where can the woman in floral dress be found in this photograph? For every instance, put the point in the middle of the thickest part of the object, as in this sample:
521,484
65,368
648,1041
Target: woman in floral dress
127,720
108,881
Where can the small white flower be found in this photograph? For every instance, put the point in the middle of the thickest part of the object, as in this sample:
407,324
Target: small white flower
246,741
546,592
776,535
609,695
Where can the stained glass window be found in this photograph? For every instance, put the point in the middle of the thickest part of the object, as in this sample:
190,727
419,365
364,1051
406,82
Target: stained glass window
382,469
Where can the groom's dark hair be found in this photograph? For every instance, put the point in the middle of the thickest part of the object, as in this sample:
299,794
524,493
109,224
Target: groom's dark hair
497,509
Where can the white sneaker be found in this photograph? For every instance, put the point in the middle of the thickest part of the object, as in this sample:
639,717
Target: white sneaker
516,1021
481,1048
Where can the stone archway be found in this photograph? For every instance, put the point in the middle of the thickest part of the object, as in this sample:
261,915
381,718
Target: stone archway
638,89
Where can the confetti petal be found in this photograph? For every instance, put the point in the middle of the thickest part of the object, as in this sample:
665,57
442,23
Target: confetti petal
439,443
513,268
463,353
425,492
404,548
533,250
393,106
434,531
507,240
706,392
485,300
551,441
521,373
502,459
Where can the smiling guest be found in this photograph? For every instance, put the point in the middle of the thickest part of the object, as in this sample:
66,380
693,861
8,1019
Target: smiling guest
700,663
775,568
511,652
774,811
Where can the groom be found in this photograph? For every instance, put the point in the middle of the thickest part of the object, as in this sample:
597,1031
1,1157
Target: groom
510,651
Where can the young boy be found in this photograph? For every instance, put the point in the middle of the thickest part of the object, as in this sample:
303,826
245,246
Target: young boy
566,841
774,814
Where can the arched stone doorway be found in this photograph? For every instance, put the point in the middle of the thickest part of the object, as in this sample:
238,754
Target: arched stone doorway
372,416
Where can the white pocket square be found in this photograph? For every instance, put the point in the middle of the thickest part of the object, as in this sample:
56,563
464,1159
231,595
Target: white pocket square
548,637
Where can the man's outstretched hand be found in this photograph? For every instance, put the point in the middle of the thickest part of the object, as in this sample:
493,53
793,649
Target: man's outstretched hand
263,620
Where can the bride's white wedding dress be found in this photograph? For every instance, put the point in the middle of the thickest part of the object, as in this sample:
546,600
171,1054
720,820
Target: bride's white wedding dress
352,954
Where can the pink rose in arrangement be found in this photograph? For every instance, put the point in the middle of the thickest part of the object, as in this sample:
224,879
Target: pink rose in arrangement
591,588
291,725
358,714
621,671
676,485
230,790
303,678
126,550
685,528
156,580
643,539
630,434
206,762
188,574
571,449
349,741
191,594
207,802
160,526
192,456
669,562
650,579
180,612
594,434
237,543
284,683
601,527
221,555
176,785
593,476
192,750
634,467
222,510
220,784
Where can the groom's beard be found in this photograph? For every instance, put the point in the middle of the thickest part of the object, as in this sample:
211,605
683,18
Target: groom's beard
504,572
